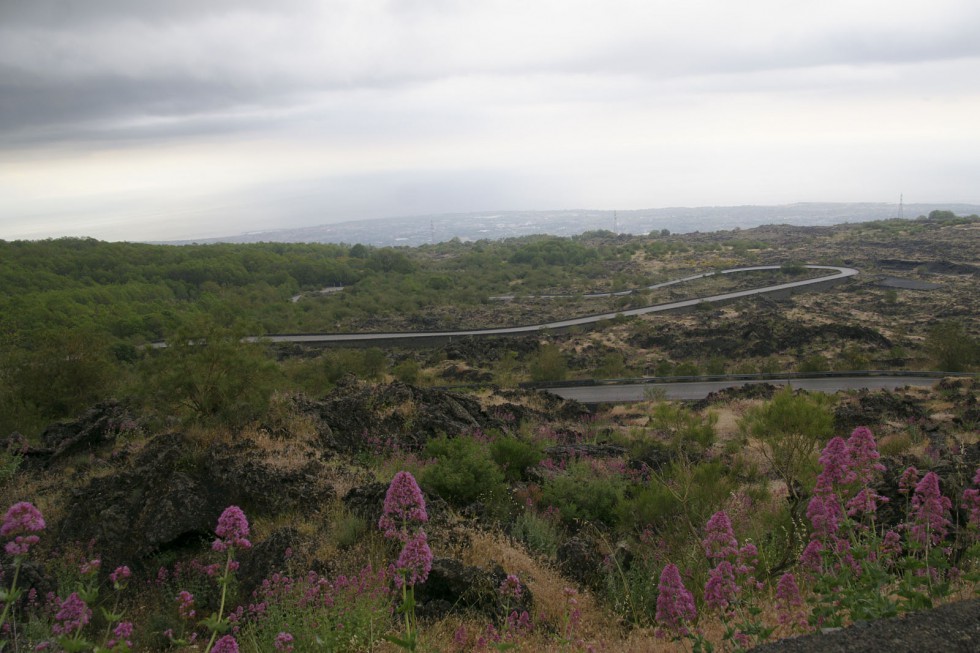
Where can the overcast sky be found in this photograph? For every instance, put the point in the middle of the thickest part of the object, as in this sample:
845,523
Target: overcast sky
133,120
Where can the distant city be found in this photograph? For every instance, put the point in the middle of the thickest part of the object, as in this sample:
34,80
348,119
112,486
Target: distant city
423,229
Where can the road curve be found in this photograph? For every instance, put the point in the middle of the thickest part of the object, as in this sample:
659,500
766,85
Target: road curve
838,274
619,394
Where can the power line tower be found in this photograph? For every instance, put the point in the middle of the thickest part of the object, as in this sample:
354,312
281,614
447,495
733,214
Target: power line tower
615,223
432,232
901,206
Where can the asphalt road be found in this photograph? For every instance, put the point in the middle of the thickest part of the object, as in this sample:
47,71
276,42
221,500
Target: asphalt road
838,273
600,394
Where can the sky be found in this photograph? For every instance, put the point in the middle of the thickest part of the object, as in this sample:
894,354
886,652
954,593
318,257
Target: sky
133,120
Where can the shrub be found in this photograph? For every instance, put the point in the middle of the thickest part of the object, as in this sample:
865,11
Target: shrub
580,496
515,456
539,534
463,471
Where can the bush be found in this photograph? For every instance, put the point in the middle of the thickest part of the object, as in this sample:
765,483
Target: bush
540,535
791,428
515,456
580,496
463,472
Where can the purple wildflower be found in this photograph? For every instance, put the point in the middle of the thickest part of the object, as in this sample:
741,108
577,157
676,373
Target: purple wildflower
185,605
121,634
73,614
908,480
226,644
721,589
21,518
403,504
836,461
971,501
812,556
789,603
891,544
863,454
865,502
119,576
719,541
675,605
930,510
232,530
511,587
415,561
284,642
825,513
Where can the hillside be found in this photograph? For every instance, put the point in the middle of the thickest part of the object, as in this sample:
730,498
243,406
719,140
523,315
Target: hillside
547,526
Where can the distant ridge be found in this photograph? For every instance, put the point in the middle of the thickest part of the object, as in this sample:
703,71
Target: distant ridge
495,225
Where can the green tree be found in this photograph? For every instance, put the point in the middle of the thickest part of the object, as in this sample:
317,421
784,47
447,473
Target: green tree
952,348
549,364
212,375
790,429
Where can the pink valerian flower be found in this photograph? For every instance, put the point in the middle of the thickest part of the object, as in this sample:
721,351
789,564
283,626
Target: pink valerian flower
90,567
891,544
20,545
863,454
284,642
865,502
675,604
119,576
227,644
72,615
929,521
519,624
789,603
836,462
825,513
120,635
971,501
21,519
812,556
719,541
415,560
232,530
404,504
908,480
511,587
721,590
185,605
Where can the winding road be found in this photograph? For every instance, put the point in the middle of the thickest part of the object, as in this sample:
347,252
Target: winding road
837,274
626,393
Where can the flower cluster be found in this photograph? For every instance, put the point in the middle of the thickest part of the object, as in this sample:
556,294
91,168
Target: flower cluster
929,517
227,644
404,505
73,614
232,530
21,521
415,561
675,604
971,501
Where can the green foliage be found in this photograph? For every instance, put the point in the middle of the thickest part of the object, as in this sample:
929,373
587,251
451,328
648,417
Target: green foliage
463,472
539,534
548,364
791,428
685,430
515,456
406,371
209,374
581,496
612,366
59,374
953,349
814,363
